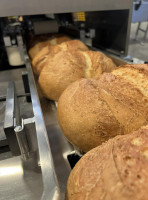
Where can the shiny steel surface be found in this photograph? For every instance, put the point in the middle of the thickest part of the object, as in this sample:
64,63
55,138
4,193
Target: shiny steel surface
9,111
28,7
51,187
19,180
60,147
3,140
22,141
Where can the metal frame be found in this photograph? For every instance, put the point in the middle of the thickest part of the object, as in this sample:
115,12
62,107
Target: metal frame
51,188
10,119
31,7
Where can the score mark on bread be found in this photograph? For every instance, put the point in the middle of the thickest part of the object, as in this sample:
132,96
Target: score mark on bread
115,170
101,109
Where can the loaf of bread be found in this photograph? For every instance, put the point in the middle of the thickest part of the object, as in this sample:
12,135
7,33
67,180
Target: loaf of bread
49,51
50,41
68,66
116,170
37,47
92,111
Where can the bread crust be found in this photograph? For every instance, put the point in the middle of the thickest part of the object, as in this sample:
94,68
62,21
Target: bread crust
115,170
48,52
85,117
92,111
52,40
57,74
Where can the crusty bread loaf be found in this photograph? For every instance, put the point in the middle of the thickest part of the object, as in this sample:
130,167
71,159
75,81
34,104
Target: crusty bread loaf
63,69
37,47
96,64
49,51
58,39
116,170
68,66
92,111
50,41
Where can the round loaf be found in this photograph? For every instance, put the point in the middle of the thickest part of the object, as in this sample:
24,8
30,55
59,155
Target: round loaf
92,111
68,66
37,47
48,52
50,41
115,170
63,69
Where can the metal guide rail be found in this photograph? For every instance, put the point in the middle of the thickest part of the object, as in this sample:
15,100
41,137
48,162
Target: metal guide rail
53,146
51,188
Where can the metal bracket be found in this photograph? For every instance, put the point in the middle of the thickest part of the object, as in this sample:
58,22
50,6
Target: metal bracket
22,141
14,125
26,85
9,120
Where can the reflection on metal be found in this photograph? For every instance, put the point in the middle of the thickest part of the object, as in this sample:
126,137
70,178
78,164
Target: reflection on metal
18,178
7,171
22,141
11,118
51,187
9,111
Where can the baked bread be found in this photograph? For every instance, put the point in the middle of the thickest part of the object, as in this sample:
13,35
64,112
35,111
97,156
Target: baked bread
68,66
118,169
37,47
63,69
92,111
50,41
49,51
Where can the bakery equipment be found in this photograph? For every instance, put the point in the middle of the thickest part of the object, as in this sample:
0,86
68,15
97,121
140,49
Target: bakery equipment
47,155
13,41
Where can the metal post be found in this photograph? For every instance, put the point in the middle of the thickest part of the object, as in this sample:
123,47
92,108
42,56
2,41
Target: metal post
26,85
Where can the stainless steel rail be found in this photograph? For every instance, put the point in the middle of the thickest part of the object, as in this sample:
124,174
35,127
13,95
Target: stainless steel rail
8,121
31,7
51,189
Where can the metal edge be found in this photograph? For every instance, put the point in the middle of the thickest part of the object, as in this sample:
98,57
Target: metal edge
9,109
51,187
33,7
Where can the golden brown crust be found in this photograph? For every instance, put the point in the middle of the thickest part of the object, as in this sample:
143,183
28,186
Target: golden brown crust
44,55
56,76
53,40
128,104
85,179
84,115
117,169
97,64
49,51
136,75
92,111
37,47
59,39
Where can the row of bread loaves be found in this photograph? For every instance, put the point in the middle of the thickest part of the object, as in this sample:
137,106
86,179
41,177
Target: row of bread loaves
67,63
47,41
49,51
